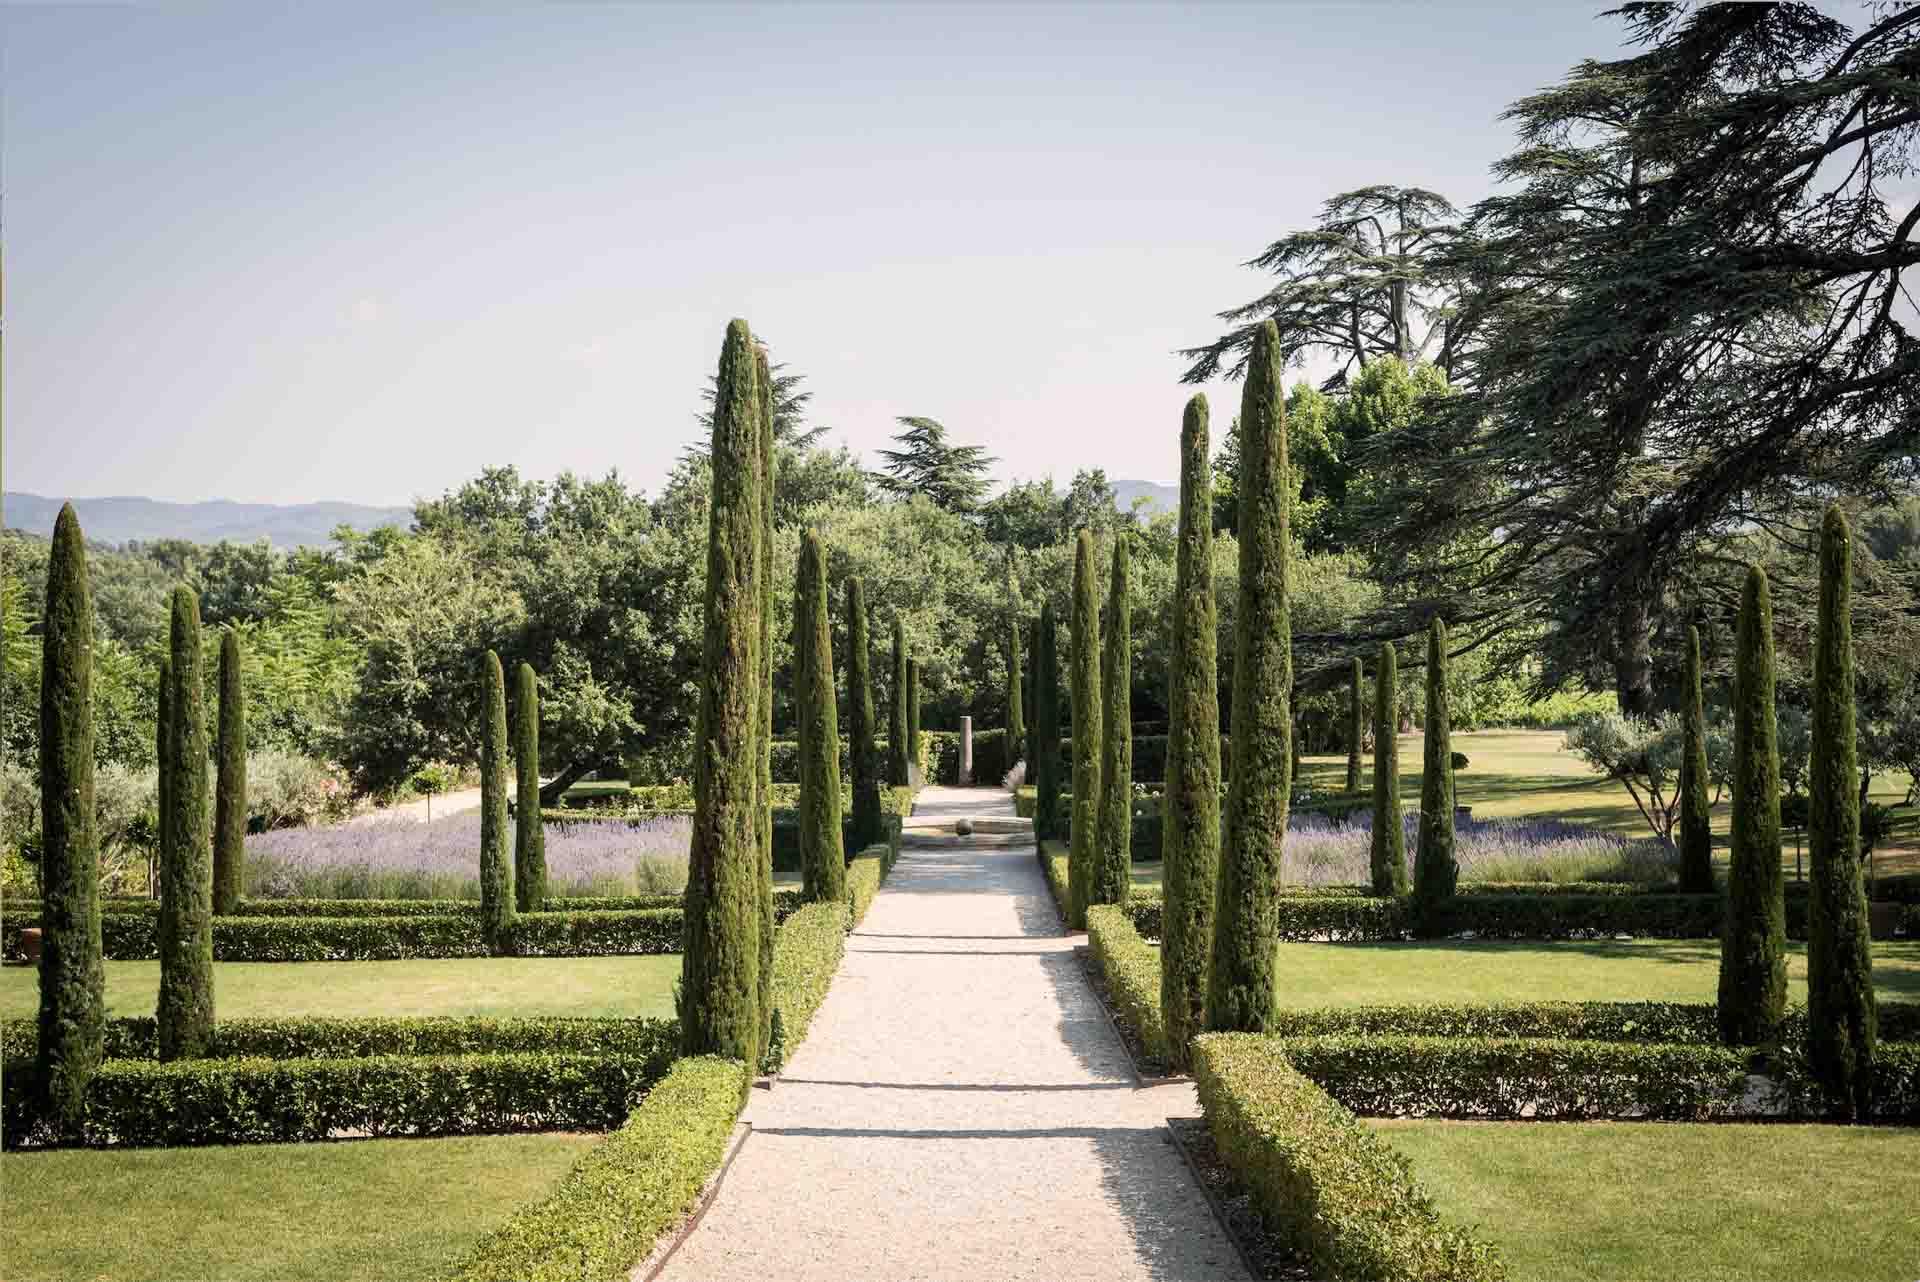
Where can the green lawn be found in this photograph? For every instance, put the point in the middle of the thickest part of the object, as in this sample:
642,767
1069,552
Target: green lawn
1685,970
1616,1200
373,1209
628,986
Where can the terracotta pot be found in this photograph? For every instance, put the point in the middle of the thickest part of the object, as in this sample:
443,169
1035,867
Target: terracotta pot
30,943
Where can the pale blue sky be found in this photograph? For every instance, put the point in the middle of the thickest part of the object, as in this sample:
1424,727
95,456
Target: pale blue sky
358,253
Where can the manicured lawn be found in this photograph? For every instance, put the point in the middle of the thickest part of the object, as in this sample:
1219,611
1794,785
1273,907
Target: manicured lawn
1615,1200
627,986
1472,971
372,1209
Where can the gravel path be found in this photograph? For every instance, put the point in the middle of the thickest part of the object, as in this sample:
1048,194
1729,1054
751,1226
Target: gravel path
961,1108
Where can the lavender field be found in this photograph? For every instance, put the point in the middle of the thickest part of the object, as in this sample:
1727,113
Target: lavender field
1319,852
441,860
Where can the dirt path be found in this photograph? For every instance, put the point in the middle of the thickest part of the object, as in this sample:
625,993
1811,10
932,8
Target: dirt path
426,809
961,1107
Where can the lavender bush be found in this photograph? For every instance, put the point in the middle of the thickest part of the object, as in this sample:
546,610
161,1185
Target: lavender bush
404,860
1319,852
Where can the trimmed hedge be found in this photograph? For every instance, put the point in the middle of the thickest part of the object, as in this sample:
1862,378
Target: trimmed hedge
1336,1190
1646,1023
865,872
1541,1077
142,1103
806,953
626,1191
1055,867
1132,968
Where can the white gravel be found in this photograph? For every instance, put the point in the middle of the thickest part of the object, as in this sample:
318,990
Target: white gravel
961,1108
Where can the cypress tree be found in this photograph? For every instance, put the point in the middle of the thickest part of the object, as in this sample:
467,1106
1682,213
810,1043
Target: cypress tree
1435,871
1016,712
1046,746
763,782
1113,860
1753,965
529,834
163,747
823,862
1190,826
1086,733
914,758
719,994
230,782
868,824
496,868
185,1011
1240,987
73,983
1388,853
1356,723
1841,1018
1696,830
897,720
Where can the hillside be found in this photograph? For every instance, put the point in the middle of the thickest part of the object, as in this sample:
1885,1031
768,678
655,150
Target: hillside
121,518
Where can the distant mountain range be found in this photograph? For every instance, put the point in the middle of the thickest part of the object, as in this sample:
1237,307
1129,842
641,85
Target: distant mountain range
122,518
1160,498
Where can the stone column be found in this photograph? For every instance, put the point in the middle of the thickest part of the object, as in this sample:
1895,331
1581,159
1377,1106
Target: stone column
966,751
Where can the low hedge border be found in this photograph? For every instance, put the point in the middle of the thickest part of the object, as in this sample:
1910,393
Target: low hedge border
1320,1178
805,957
1132,969
626,1191
1645,1023
1564,1079
141,1103
1055,867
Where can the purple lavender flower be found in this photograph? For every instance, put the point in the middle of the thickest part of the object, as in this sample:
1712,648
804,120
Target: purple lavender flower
1319,852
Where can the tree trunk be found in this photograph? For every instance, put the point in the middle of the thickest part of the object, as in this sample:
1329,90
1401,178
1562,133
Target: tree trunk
551,793
1633,656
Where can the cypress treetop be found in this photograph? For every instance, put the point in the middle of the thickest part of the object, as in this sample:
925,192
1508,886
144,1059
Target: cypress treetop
1086,732
822,860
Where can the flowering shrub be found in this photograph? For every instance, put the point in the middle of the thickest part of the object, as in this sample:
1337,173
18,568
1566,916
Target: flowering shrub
404,860
1320,852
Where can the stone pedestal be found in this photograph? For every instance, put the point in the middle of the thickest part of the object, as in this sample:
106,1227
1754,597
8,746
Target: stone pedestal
966,752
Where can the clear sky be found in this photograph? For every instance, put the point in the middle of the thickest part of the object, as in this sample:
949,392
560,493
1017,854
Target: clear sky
359,253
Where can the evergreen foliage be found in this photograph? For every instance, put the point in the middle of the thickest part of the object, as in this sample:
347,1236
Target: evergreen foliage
1085,674
913,713
823,863
1388,853
1046,746
73,1001
496,866
780,408
1240,987
529,834
1841,1019
1016,711
1356,722
230,781
719,994
869,825
1113,856
1696,828
1435,869
185,1011
1753,966
897,729
1190,825
954,477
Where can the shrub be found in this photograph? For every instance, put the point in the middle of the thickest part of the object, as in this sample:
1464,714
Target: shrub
626,1191
186,856
230,788
1056,867
806,953
72,979
1337,1191
1132,968
1240,986
1680,1023
1753,968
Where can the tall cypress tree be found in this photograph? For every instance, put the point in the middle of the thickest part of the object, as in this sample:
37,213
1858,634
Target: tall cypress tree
185,1011
1696,829
73,982
719,994
496,865
1435,870
1086,732
163,746
230,781
1016,711
1356,722
1387,854
1190,824
897,714
1841,1018
1113,859
1240,987
529,834
1753,964
868,823
823,862
913,719
1046,744
763,782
